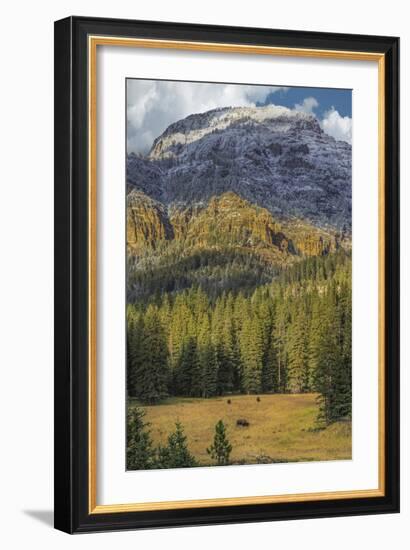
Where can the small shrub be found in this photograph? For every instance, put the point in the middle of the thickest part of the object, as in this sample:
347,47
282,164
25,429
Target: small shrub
263,459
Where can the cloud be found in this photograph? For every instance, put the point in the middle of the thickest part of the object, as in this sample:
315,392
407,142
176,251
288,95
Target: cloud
307,105
153,105
332,122
340,127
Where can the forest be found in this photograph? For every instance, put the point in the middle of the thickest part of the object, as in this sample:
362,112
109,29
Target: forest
288,336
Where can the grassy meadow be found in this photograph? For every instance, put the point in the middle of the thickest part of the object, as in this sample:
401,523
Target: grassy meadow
282,427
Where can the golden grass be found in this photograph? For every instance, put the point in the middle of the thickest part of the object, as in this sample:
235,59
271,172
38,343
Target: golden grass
281,427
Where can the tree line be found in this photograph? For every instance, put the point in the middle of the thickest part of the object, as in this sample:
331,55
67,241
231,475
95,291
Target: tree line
292,335
170,270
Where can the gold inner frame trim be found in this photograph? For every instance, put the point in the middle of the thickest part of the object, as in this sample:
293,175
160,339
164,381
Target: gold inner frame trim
93,42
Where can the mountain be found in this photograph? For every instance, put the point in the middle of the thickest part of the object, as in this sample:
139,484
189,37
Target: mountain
227,199
271,156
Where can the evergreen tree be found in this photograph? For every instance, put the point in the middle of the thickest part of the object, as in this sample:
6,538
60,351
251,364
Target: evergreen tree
328,363
209,370
252,355
315,338
269,366
228,359
196,386
165,316
188,370
298,369
180,321
241,310
137,354
223,343
140,454
207,358
343,374
279,342
153,373
131,390
176,454
199,303
347,350
221,449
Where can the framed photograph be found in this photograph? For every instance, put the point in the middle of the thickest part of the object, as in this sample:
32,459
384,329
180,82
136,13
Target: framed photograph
226,274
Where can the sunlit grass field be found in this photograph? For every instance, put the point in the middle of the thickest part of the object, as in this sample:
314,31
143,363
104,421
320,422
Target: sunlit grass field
281,428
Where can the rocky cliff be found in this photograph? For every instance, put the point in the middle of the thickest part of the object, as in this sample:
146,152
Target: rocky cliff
147,222
226,221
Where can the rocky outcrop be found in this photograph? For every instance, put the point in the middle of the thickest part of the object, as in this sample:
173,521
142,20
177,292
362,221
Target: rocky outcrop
144,175
230,220
147,222
226,221
309,240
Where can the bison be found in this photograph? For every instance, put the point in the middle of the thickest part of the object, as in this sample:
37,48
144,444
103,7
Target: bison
242,422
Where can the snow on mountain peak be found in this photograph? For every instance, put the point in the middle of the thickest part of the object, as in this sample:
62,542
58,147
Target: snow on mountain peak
194,127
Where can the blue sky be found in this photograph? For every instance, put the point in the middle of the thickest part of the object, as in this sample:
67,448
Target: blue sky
152,105
327,98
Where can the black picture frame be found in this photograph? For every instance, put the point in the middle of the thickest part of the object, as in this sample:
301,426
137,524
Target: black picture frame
71,491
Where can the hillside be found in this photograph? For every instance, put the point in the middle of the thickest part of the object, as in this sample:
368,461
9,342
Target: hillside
226,244
226,220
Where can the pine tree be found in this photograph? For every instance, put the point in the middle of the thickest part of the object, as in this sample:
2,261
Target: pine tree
241,310
343,374
196,386
328,363
182,328
207,358
252,355
298,367
223,343
165,315
230,336
209,370
269,366
140,454
279,342
315,338
176,453
137,354
188,374
200,303
229,362
153,373
347,351
221,449
131,390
